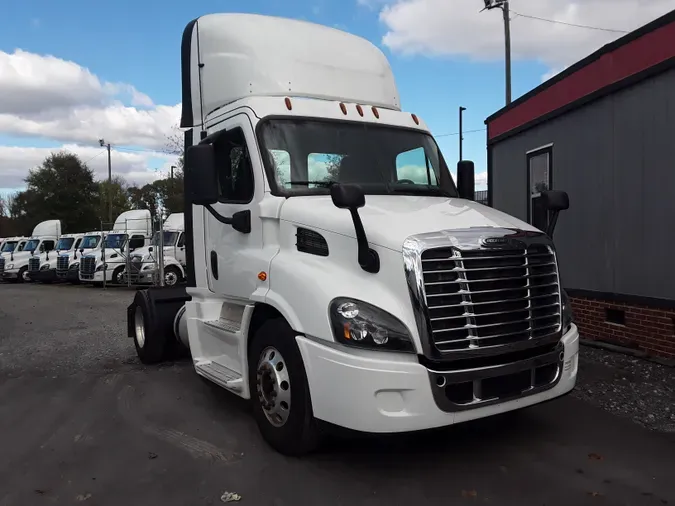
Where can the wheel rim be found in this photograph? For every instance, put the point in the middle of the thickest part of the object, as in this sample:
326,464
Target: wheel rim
273,385
24,276
117,278
170,278
139,325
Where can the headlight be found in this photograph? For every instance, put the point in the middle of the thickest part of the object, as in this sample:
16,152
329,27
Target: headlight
101,267
44,267
567,314
75,265
362,325
9,267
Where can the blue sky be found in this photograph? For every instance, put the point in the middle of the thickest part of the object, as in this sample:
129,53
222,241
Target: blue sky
137,43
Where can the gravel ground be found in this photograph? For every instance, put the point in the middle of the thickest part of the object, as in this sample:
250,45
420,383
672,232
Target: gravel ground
81,420
629,387
59,330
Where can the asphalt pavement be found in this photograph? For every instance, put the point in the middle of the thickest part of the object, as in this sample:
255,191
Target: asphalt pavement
82,421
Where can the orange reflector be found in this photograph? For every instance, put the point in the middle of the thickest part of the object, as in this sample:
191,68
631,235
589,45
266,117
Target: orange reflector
417,121
345,331
262,276
288,104
359,109
376,112
343,107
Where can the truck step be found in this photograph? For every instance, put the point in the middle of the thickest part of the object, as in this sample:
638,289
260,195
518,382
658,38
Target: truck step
220,374
224,325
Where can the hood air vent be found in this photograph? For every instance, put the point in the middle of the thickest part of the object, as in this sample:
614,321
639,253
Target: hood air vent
311,242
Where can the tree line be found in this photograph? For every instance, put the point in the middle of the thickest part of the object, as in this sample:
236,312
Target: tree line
63,187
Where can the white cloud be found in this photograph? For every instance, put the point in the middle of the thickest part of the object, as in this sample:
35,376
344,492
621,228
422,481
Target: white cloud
45,96
15,163
457,28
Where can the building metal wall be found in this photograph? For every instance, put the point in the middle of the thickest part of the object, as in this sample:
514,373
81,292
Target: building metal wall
616,159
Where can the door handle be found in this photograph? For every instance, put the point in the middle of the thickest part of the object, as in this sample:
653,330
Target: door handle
214,264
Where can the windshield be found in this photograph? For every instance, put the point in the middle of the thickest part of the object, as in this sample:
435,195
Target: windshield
32,245
9,246
170,238
305,156
65,243
90,242
115,241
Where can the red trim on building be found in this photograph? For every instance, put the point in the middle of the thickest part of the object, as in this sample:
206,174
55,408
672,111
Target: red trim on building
609,68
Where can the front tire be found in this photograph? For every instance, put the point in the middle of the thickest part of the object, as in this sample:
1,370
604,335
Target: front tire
280,395
171,276
149,339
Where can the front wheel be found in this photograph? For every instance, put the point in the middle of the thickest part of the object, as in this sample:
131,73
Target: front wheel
280,395
171,276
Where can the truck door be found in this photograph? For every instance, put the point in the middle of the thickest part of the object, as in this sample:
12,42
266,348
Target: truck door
233,257
180,249
540,178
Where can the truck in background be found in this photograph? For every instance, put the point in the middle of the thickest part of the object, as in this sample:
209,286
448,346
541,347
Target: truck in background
68,261
46,271
132,230
43,239
144,263
336,272
10,246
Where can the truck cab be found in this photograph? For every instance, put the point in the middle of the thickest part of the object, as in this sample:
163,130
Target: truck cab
145,261
43,239
10,246
46,272
335,270
132,230
68,261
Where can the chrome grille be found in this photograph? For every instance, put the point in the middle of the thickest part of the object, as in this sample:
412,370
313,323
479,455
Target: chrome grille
33,264
2,266
62,263
87,265
490,297
135,265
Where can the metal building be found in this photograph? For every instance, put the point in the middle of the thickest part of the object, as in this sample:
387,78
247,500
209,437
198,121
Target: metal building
604,131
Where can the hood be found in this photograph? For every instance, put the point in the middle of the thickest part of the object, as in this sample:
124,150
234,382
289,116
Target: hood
390,219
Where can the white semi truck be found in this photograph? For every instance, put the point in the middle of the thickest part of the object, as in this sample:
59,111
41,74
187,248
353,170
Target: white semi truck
132,230
53,266
68,261
144,261
10,246
44,238
335,270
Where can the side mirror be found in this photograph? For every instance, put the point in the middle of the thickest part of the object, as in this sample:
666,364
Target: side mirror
554,201
351,197
347,196
466,179
201,179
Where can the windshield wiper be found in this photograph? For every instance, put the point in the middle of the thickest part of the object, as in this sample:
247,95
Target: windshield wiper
325,184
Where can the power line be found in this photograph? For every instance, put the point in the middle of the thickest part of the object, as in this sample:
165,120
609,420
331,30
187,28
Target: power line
98,154
465,132
556,21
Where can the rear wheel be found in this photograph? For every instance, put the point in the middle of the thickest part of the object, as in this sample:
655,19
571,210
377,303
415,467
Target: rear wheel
171,276
280,395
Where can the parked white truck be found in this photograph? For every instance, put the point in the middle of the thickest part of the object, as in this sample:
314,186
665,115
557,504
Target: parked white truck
335,271
54,266
44,238
144,261
68,261
132,230
10,246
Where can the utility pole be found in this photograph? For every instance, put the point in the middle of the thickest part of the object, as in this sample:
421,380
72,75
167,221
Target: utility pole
110,196
461,136
504,6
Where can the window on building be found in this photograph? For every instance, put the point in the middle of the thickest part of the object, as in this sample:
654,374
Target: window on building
540,179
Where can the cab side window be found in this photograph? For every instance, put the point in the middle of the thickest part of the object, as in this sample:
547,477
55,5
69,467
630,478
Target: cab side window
47,246
181,240
136,241
235,173
77,244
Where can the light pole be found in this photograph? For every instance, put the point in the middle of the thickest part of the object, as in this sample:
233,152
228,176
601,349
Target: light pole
504,6
461,137
110,205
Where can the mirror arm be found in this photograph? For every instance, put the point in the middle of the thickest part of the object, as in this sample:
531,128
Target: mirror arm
552,223
240,221
369,260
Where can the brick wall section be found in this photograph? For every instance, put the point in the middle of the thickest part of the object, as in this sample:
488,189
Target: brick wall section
646,328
